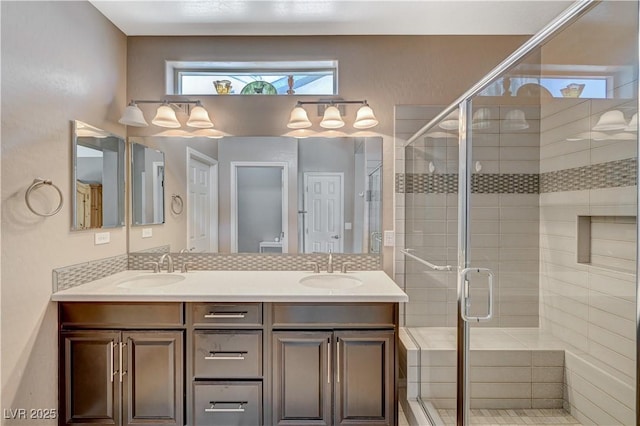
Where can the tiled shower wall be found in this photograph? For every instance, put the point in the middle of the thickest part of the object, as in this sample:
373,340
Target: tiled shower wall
590,304
504,218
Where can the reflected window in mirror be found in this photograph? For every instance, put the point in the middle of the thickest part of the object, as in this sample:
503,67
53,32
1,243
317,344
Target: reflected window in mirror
147,181
98,178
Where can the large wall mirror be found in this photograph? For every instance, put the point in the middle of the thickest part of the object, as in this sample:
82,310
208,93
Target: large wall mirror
147,185
268,195
98,178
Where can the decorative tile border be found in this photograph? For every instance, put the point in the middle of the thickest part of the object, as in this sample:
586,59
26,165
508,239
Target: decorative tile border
260,262
508,183
82,273
612,174
436,183
481,183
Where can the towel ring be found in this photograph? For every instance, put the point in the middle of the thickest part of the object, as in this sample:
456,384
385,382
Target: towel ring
36,184
177,205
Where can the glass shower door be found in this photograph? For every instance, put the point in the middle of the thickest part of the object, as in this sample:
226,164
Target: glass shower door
520,214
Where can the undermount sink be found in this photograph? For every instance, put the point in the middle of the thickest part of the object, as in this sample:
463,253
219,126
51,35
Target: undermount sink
150,281
330,281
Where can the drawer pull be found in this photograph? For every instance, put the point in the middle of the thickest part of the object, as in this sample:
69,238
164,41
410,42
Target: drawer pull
213,408
225,315
238,356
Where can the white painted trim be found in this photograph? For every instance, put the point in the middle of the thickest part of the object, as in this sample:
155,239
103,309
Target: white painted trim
157,208
234,199
213,196
306,200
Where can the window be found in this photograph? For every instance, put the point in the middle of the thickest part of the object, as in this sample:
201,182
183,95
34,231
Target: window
197,78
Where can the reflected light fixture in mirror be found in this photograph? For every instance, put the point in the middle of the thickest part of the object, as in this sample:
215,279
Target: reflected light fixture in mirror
481,119
301,133
165,114
515,120
633,124
611,120
200,133
451,122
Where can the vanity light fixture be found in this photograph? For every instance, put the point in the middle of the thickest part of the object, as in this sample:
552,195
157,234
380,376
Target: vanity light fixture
166,115
332,118
611,120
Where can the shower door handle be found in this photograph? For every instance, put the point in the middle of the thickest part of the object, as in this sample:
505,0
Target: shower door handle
466,297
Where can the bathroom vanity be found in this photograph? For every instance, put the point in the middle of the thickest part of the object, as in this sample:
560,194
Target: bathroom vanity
230,348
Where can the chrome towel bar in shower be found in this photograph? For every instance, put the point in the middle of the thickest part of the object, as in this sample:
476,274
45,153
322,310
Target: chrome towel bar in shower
424,262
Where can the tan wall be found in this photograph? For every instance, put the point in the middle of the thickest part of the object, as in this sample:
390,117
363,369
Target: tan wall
60,61
385,70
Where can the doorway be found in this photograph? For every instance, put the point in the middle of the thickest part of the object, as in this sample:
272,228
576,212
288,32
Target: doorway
202,196
259,207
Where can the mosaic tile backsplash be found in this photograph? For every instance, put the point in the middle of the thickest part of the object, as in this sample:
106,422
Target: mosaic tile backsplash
260,262
612,174
82,273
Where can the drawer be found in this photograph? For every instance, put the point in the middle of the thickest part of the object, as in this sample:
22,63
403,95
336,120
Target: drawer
227,354
226,314
334,315
227,403
121,315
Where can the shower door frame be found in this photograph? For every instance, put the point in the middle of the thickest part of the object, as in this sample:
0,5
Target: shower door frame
463,105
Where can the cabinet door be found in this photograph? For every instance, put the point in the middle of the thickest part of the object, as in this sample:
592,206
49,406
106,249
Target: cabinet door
365,388
153,378
90,391
302,378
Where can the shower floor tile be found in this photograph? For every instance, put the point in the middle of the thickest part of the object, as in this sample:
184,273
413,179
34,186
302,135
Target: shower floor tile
513,417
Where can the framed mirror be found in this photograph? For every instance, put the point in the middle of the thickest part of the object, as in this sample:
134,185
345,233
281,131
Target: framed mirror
269,195
98,178
147,185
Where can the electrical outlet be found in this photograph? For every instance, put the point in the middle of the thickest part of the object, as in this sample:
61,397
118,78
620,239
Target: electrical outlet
102,238
389,238
348,225
147,232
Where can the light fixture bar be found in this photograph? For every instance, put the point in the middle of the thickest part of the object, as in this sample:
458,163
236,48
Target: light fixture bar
337,102
165,117
332,115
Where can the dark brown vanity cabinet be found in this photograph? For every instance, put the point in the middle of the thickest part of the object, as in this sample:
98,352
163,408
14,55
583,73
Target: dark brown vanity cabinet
228,364
120,376
342,375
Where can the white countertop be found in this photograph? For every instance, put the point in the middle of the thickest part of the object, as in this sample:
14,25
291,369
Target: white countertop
235,286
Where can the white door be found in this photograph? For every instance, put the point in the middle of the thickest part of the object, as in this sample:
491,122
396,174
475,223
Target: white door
323,203
201,221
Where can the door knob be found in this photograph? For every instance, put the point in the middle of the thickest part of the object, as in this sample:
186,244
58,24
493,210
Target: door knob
335,237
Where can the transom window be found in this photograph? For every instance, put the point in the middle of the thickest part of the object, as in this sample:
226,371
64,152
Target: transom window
250,78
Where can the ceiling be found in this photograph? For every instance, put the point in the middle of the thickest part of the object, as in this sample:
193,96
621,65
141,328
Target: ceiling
329,17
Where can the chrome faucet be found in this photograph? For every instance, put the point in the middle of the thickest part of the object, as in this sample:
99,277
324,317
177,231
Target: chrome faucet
330,263
169,262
